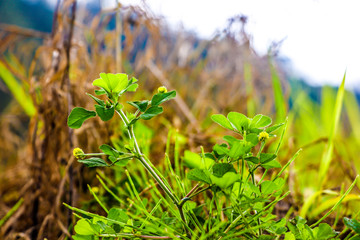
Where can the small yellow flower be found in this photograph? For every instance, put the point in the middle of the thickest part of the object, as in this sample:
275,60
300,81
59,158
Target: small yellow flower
78,153
162,89
95,189
263,136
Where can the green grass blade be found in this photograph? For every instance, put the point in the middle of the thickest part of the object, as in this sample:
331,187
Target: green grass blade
109,190
11,212
327,155
337,204
280,104
353,112
17,91
97,199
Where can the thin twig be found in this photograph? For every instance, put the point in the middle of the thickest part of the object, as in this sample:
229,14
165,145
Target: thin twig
23,31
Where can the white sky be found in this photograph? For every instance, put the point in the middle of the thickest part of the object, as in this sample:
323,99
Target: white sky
322,36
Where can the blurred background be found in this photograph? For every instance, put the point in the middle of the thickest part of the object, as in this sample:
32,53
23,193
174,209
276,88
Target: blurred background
280,58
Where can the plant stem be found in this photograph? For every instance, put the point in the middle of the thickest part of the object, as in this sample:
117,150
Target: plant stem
143,161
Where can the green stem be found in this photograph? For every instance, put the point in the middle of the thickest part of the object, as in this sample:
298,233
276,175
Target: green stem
337,204
143,161
11,212
94,154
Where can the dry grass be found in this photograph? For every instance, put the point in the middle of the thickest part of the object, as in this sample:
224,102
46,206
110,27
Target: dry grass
209,76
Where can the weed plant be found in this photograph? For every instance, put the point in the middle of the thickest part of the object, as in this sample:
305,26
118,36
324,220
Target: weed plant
229,200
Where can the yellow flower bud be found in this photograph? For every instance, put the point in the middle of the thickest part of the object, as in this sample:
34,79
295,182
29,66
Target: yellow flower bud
263,136
95,189
78,153
162,89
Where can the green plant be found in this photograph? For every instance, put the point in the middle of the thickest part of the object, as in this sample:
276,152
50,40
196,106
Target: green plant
229,199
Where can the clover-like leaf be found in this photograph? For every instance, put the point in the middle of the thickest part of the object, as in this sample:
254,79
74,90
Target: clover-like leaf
239,149
266,157
97,100
151,112
222,121
94,162
221,149
83,227
105,113
226,180
78,116
118,214
274,128
112,84
219,169
252,159
324,231
260,121
159,98
108,150
267,187
239,121
271,164
141,105
194,160
198,175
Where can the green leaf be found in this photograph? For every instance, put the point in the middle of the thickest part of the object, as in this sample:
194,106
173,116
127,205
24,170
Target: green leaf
222,121
194,160
108,150
268,187
99,101
324,231
271,164
230,140
141,105
239,121
260,121
105,113
253,159
239,149
18,90
82,237
118,214
100,92
274,128
151,112
93,162
159,98
132,87
83,227
267,157
112,83
221,149
219,169
252,138
198,175
225,181
352,224
77,117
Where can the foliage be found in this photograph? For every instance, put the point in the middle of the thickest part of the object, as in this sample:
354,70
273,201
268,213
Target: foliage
235,203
